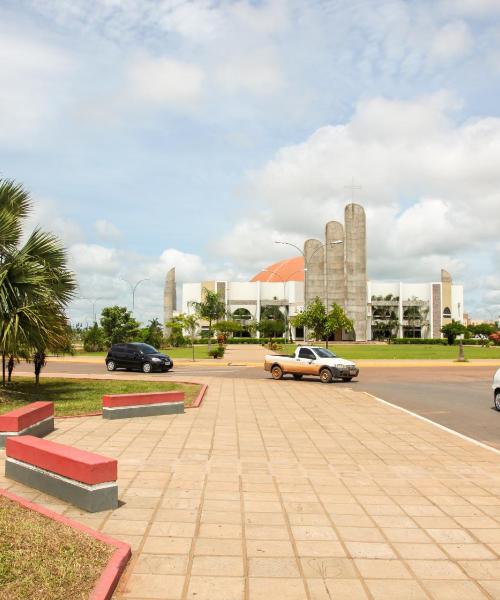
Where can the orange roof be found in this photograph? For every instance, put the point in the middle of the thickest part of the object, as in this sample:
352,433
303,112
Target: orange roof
290,269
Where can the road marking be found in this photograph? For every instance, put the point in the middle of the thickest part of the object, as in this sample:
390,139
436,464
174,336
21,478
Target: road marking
438,425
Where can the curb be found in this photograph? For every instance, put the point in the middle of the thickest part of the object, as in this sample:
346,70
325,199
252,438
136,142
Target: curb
107,582
201,396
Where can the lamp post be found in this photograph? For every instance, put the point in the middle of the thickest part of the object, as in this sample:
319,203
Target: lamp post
306,267
93,302
133,287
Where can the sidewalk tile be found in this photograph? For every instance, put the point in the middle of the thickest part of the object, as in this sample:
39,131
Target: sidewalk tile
265,588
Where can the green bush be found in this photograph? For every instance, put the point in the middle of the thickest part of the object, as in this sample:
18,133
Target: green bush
217,352
242,340
422,341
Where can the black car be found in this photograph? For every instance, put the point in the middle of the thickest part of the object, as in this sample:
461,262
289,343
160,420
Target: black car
137,356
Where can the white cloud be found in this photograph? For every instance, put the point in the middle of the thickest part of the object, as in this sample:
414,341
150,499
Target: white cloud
47,215
258,73
165,81
431,190
32,89
451,41
92,258
471,8
107,230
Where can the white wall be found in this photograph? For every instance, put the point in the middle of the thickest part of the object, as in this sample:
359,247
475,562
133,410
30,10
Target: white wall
191,292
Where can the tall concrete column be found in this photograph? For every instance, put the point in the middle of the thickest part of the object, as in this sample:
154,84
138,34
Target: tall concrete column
355,268
169,299
314,277
334,264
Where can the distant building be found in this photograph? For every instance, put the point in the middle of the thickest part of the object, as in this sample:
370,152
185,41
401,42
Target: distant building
335,270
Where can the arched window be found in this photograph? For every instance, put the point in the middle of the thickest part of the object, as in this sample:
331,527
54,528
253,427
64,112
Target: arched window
446,313
242,314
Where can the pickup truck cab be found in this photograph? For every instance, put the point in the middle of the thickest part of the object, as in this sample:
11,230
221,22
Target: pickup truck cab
311,360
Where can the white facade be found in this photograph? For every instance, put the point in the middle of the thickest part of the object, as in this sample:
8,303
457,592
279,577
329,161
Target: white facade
414,295
400,299
251,296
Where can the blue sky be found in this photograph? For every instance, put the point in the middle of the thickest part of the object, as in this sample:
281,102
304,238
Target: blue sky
192,134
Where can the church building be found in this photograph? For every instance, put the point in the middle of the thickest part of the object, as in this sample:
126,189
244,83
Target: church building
335,270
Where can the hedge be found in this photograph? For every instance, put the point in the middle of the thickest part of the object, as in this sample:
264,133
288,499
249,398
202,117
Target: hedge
430,341
438,341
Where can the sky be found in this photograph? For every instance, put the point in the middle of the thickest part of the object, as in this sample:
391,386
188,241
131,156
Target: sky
161,133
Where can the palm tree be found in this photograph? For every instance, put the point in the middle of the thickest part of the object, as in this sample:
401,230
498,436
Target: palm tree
35,284
211,309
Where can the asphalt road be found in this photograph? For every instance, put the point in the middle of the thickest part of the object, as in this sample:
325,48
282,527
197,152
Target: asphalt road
458,397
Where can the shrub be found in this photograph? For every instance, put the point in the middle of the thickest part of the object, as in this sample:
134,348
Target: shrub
94,339
495,338
416,341
217,352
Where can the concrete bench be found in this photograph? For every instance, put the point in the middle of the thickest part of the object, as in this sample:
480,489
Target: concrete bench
82,478
36,418
122,406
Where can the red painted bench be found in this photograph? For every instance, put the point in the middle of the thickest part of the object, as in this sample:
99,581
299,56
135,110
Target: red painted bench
121,406
36,418
83,478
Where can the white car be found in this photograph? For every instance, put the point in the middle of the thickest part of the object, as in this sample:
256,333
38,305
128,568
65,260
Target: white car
496,389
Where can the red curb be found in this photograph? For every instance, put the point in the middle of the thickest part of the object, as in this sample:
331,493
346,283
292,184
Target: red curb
201,396
107,582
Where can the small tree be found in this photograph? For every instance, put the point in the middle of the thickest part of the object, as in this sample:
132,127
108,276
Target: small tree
271,328
314,317
176,326
94,339
336,319
190,324
210,309
451,330
153,334
118,324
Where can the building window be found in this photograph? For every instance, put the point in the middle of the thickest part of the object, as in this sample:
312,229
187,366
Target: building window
446,313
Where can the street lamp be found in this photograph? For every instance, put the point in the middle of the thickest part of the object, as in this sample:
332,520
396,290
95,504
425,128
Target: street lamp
306,265
93,301
133,287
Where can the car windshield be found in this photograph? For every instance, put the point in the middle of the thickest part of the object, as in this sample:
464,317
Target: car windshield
147,349
324,353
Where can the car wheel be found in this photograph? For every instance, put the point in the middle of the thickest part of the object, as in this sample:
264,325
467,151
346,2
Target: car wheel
277,372
297,376
111,365
497,400
346,378
146,367
325,376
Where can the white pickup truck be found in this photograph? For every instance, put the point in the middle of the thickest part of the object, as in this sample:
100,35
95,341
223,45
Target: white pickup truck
311,360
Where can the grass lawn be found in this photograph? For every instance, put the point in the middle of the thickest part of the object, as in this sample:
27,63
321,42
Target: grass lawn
42,559
200,351
80,396
391,351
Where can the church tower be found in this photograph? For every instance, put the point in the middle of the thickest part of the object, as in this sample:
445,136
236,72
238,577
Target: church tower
355,268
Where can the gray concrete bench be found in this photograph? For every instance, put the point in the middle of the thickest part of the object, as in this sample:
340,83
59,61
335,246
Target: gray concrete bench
82,478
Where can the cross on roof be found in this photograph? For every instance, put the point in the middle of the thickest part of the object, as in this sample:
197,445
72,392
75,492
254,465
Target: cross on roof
353,187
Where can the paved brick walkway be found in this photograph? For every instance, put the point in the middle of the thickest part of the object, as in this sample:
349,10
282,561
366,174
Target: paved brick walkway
294,490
